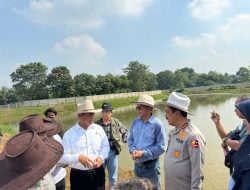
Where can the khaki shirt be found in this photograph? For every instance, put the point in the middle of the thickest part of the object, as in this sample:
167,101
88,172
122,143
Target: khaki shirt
184,159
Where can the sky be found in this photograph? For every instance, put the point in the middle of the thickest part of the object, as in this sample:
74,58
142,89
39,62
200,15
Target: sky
103,36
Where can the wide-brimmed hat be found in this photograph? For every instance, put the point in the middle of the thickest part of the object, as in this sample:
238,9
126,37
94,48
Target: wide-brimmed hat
86,107
244,108
179,101
26,158
57,128
107,107
34,122
146,100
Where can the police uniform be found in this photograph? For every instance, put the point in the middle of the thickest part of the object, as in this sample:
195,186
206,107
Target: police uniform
184,159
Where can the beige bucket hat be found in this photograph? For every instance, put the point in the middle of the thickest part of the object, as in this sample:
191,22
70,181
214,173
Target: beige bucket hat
86,107
146,100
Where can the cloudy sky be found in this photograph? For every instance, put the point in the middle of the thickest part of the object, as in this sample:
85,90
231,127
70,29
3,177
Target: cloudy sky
103,36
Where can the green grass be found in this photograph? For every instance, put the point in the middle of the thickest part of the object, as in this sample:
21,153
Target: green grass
13,115
7,129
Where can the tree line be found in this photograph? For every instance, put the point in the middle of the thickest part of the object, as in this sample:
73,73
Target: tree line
31,81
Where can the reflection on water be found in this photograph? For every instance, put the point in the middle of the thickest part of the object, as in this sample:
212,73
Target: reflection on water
216,175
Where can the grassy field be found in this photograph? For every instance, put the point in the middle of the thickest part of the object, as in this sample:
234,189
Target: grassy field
13,115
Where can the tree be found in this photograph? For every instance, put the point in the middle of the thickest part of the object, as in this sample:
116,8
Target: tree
137,74
29,81
120,83
7,96
85,84
104,84
165,79
151,81
60,83
243,74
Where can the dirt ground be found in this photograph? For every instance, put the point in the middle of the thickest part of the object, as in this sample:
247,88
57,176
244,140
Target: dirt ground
123,175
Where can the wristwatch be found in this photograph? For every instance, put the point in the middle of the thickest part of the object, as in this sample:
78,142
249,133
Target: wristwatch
224,140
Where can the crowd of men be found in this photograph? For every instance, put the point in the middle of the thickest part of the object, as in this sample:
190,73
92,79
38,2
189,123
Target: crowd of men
36,157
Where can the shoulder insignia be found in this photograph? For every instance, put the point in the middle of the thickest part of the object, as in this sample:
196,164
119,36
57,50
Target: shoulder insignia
195,144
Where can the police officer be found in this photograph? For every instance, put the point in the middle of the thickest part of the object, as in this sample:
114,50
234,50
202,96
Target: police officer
184,158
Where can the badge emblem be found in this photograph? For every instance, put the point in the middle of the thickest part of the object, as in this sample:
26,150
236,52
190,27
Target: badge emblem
177,154
195,144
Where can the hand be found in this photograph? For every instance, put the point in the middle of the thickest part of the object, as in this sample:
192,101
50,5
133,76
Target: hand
86,161
137,154
215,117
134,153
98,162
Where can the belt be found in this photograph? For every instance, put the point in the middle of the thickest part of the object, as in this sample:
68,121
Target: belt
147,162
92,171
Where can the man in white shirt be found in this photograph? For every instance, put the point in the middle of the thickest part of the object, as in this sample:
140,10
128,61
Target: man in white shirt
86,147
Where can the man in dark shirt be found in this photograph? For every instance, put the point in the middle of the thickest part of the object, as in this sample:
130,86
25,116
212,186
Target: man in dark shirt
116,133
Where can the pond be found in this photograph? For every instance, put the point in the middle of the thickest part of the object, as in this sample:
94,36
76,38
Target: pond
216,175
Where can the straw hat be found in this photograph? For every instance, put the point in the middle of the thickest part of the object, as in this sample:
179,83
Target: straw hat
179,101
146,100
86,107
26,159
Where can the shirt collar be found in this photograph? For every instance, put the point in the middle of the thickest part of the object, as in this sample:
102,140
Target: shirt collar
78,127
150,120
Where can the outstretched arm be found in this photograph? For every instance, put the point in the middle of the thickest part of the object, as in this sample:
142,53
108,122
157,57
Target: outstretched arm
220,129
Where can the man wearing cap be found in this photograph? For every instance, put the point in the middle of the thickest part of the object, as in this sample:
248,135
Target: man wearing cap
116,133
86,147
146,141
184,158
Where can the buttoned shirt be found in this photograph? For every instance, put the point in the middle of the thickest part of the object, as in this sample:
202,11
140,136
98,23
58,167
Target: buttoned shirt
58,172
148,137
91,142
184,159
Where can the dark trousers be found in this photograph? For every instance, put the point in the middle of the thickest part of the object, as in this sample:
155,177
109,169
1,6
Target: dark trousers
87,179
61,185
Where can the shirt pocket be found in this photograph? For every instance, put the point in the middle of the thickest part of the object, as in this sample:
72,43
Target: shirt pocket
80,145
177,151
149,135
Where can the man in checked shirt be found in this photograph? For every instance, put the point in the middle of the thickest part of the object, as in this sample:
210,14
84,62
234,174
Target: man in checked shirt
116,133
